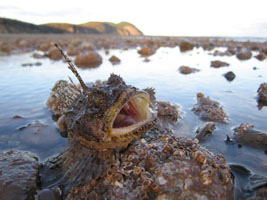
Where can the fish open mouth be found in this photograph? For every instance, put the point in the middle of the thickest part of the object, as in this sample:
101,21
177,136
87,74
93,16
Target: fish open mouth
134,114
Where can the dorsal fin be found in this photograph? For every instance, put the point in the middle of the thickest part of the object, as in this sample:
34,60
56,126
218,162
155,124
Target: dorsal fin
72,68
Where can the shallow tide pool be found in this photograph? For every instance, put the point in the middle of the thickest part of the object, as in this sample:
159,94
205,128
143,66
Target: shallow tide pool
24,91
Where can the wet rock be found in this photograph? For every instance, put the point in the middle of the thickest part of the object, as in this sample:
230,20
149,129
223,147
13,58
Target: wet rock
114,60
218,64
162,166
90,59
187,70
230,51
244,55
246,134
260,56
186,46
19,175
219,53
166,111
208,46
31,64
54,54
17,117
209,110
39,135
262,93
146,51
206,129
72,52
43,47
38,56
230,76
264,51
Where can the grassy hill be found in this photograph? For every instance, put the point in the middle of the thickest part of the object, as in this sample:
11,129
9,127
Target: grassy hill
15,26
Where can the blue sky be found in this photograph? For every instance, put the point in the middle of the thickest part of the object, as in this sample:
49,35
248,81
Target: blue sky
153,17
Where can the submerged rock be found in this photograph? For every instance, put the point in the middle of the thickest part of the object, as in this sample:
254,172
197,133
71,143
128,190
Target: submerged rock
38,56
218,64
31,64
246,134
230,76
206,129
187,70
39,135
88,60
262,93
209,110
18,175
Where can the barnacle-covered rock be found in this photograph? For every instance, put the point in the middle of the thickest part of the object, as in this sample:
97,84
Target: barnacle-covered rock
18,175
62,96
167,111
209,110
161,165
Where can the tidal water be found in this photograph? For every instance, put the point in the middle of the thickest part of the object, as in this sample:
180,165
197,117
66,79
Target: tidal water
24,91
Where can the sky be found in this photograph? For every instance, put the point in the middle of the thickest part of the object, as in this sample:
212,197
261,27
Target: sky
153,17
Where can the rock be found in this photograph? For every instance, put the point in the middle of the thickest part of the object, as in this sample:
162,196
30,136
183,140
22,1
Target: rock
204,130
31,64
90,59
162,167
17,117
218,64
208,46
209,110
230,76
18,175
114,60
187,70
244,55
54,54
38,56
146,51
262,93
186,46
166,111
39,135
246,134
72,52
44,46
264,51
260,56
